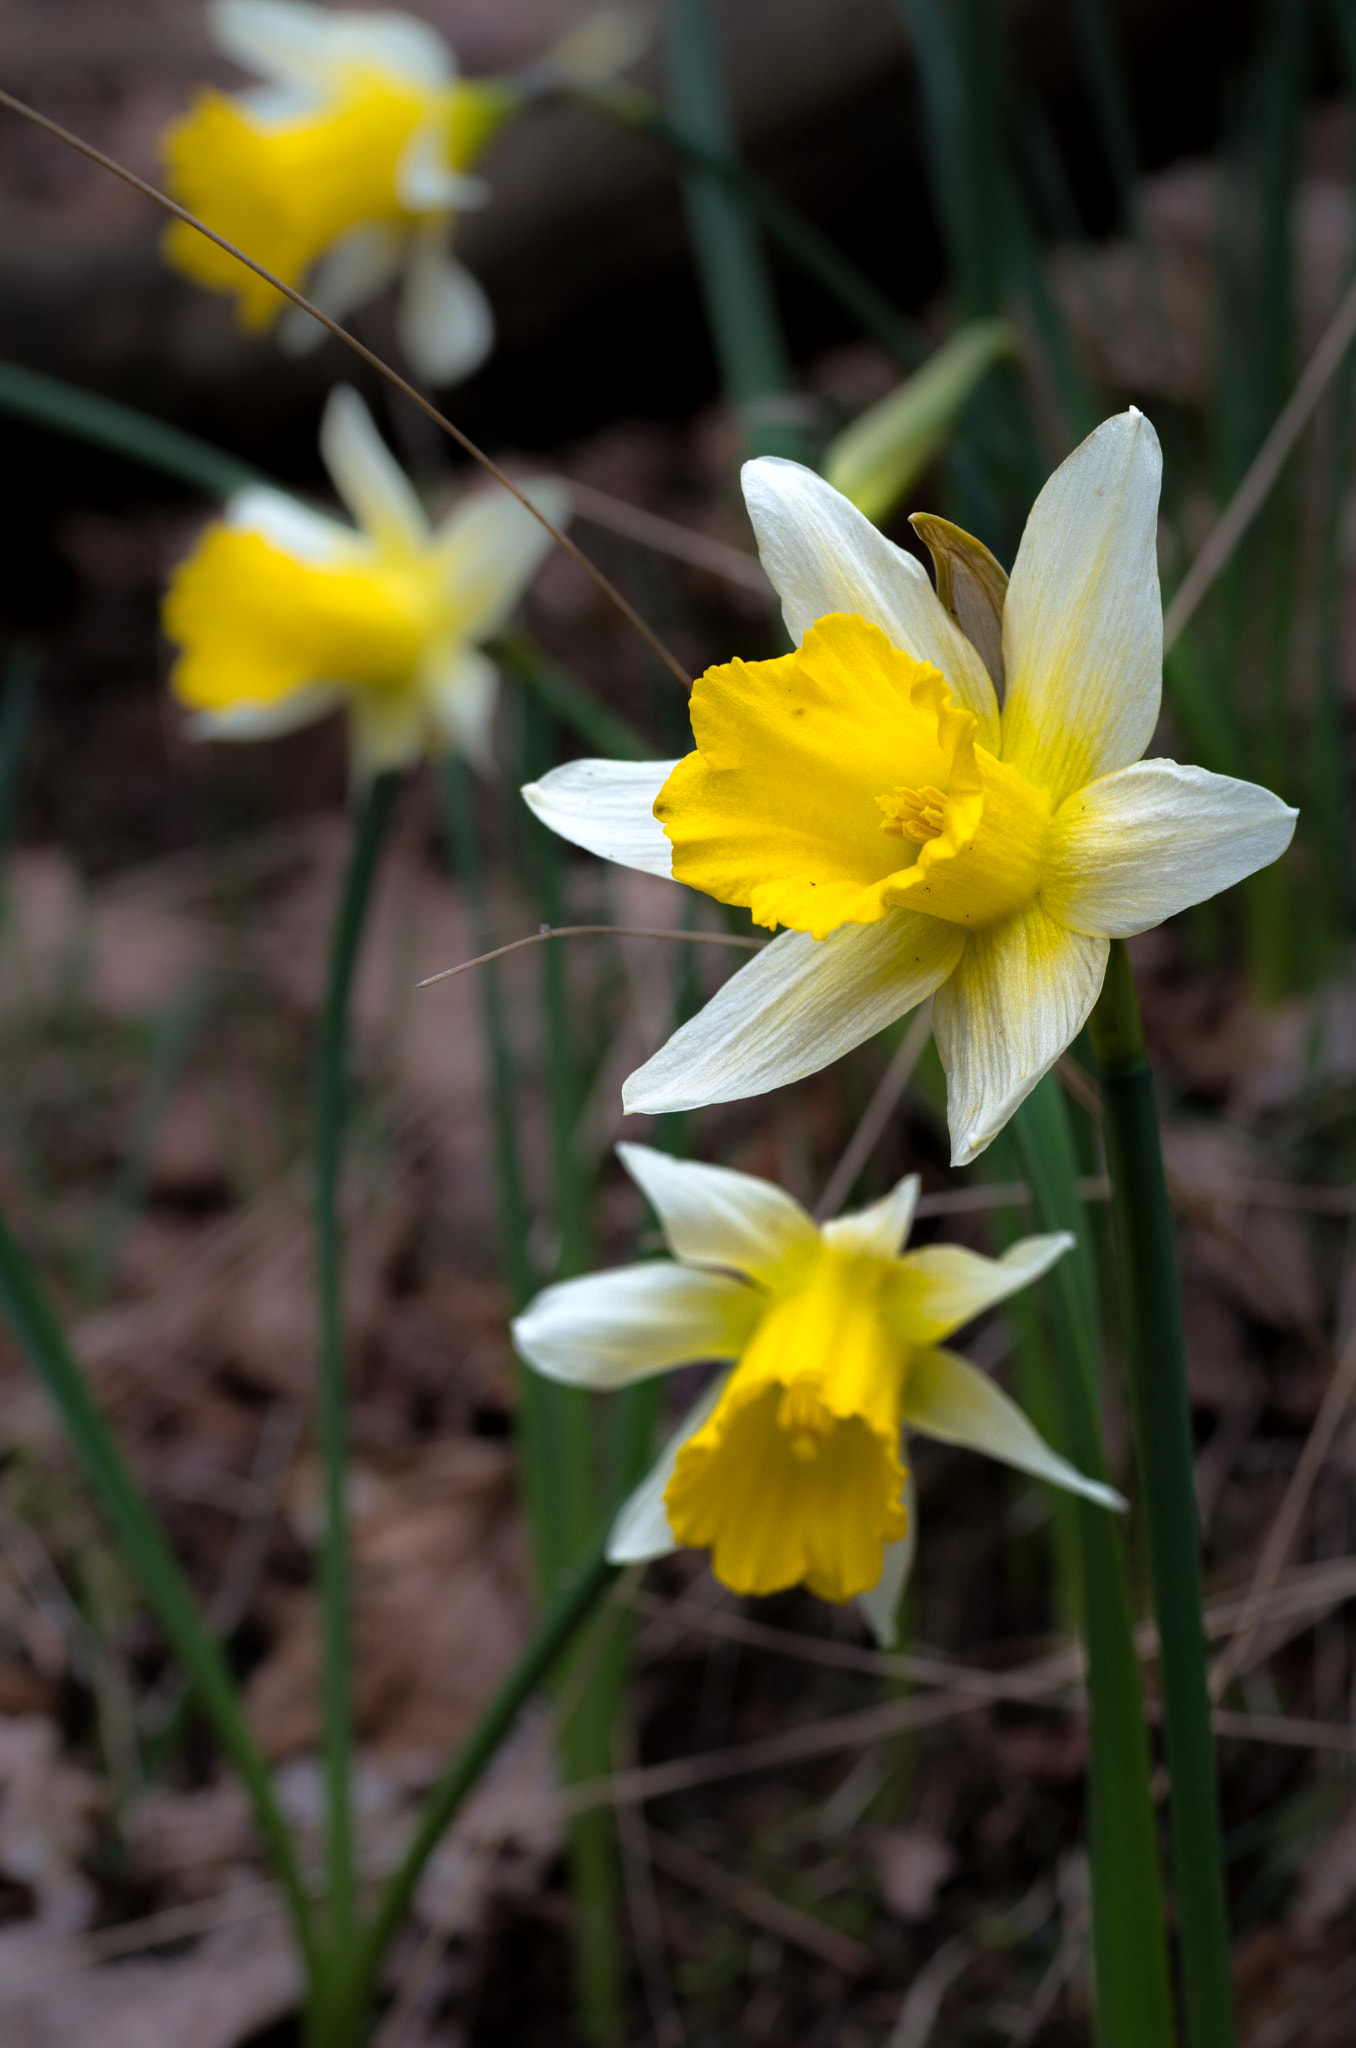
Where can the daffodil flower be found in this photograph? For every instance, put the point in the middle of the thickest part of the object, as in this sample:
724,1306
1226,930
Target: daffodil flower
282,614
791,1468
869,792
342,173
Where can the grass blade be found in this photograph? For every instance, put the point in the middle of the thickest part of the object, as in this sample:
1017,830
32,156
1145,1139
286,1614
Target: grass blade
1155,1356
1134,2004
331,1089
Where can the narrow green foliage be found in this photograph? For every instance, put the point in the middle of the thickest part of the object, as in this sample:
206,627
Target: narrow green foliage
27,395
1155,1357
331,1090
1104,75
176,1035
148,1555
887,447
567,701
577,1598
740,305
795,233
1134,2005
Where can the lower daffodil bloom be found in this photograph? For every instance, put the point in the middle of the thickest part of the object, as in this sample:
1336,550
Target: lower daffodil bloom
791,1467
282,614
869,792
344,172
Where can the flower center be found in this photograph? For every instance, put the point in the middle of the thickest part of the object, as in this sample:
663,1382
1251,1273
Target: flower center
806,1420
914,813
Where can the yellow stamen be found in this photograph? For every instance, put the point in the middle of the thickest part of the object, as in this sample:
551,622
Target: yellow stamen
914,813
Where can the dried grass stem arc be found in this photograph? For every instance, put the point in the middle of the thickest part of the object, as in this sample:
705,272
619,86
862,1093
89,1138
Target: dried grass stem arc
580,931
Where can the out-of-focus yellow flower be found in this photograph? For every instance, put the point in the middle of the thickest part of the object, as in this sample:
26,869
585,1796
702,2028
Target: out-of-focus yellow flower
870,792
791,1468
343,172
281,614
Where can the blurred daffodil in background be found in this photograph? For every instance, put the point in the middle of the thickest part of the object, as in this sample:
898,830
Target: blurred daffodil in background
346,169
281,614
870,792
791,1467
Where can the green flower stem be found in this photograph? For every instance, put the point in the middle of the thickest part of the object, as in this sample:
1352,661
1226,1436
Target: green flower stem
740,304
331,1087
143,1544
27,395
584,1588
1134,2003
1155,1355
536,1434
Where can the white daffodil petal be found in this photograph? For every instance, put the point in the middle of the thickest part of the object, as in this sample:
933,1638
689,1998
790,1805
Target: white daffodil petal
367,476
387,730
882,1230
946,1397
610,1329
289,39
294,529
641,1530
426,182
1083,621
266,721
945,1286
799,1005
713,1216
823,555
880,1604
444,318
607,807
1020,995
460,686
1136,847
490,548
358,265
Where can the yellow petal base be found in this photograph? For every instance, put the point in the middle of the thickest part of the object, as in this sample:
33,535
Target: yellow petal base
255,624
842,781
796,1478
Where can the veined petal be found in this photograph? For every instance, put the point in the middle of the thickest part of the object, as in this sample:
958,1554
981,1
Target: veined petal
1136,847
290,40
1021,994
610,1329
880,1603
823,555
945,1397
799,1005
268,719
444,317
944,1286
881,1230
460,686
641,1530
291,527
367,476
713,1216
490,548
1083,621
356,266
607,807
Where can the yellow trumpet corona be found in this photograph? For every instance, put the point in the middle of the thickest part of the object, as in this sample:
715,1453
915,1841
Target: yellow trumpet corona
792,1468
